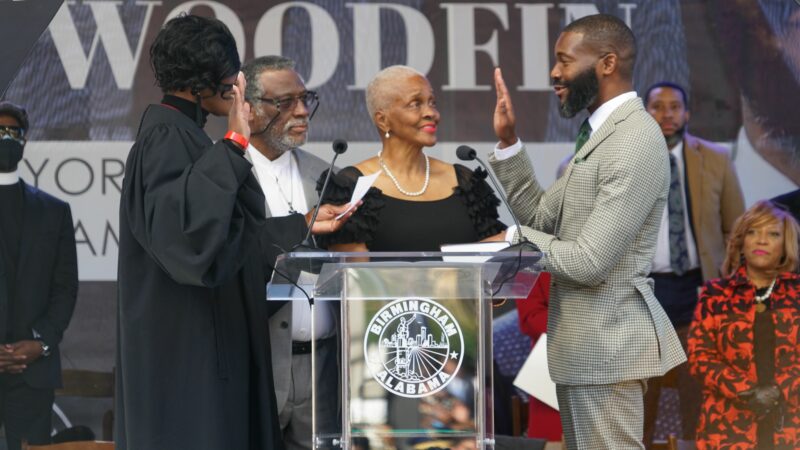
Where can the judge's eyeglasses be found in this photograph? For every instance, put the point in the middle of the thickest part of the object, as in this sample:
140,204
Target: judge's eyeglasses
225,91
12,132
310,100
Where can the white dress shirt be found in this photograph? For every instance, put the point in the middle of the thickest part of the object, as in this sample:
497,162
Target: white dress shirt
661,259
596,120
7,178
280,180
282,184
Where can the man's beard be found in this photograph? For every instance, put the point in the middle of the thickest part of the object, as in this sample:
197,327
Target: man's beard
676,137
282,142
581,92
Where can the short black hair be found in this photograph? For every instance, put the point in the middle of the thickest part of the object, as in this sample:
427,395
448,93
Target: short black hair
16,111
608,34
193,52
667,84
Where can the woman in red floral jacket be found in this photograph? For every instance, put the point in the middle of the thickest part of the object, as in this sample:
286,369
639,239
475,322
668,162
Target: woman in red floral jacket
744,342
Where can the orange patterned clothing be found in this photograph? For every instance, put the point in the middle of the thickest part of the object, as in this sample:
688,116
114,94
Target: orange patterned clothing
721,357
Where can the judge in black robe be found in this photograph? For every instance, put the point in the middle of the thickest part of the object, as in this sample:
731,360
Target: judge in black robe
193,353
193,358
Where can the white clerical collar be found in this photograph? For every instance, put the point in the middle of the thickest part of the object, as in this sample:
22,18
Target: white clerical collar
599,116
276,165
7,178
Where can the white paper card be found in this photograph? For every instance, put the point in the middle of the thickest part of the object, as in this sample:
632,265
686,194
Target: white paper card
362,186
534,376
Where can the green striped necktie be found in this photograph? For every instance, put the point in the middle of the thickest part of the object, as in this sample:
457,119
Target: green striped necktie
583,135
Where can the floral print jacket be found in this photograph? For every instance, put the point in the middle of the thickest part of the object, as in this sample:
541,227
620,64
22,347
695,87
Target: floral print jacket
721,357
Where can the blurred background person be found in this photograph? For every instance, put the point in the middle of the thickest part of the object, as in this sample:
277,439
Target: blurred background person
38,290
703,202
417,203
743,344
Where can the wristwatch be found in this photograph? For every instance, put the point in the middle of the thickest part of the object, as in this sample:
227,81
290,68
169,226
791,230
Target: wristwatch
45,348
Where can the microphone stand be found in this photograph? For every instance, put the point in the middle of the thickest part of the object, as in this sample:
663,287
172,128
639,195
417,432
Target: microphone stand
466,153
309,244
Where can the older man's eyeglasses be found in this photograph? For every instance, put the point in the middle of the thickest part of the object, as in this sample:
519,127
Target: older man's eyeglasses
12,132
310,100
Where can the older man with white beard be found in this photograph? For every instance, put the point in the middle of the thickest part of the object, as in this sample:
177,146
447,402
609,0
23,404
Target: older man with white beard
281,110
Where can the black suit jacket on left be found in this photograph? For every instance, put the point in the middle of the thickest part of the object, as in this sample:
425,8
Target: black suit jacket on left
46,284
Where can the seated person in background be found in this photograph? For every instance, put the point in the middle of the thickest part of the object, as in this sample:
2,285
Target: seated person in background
743,342
544,422
417,203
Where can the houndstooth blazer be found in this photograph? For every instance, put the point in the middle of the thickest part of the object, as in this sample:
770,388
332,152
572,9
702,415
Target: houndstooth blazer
598,226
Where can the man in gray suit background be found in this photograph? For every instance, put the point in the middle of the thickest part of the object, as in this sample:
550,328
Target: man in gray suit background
281,110
598,225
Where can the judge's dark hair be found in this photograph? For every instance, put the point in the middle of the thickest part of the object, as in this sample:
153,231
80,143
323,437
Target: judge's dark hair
605,33
667,84
193,52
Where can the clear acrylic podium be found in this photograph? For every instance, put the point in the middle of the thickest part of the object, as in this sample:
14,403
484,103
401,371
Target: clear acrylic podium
415,342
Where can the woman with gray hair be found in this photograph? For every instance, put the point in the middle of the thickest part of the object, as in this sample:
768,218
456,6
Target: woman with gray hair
417,203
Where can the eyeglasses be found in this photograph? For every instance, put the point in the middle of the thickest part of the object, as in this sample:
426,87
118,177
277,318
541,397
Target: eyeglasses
13,132
310,100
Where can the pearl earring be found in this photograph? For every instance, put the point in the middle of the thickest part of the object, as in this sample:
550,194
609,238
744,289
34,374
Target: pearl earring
386,135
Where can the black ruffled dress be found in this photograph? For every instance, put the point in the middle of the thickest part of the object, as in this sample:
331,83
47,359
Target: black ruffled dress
386,223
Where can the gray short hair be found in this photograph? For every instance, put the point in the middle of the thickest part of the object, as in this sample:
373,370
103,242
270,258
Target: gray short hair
379,93
253,69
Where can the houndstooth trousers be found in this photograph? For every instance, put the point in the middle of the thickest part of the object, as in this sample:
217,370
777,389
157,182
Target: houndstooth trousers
604,416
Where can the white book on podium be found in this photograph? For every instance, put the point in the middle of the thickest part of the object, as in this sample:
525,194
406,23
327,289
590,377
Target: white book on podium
472,247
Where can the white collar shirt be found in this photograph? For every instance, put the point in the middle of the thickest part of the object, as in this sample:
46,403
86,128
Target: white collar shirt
601,114
281,182
282,185
661,259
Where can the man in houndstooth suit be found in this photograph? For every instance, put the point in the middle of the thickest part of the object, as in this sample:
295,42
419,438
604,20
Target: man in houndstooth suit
598,225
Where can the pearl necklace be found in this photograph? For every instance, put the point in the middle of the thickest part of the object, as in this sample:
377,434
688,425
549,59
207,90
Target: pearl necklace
760,306
397,183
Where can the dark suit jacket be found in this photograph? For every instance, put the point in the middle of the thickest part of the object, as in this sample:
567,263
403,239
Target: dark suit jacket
47,282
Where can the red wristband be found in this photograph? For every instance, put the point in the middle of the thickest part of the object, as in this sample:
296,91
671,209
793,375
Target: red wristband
240,140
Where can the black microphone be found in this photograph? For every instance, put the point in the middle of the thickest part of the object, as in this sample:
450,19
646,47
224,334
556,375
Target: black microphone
339,147
466,153
508,267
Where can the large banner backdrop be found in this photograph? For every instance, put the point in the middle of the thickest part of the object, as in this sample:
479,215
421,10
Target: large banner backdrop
88,79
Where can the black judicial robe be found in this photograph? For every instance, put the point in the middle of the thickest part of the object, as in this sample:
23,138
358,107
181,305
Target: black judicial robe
193,358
